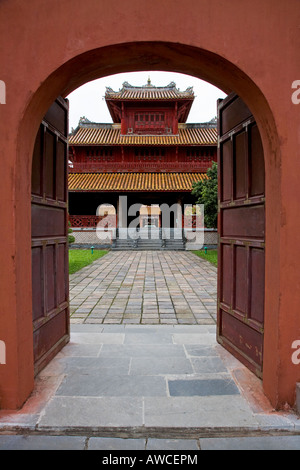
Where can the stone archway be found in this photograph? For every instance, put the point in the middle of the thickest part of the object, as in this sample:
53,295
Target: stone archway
136,41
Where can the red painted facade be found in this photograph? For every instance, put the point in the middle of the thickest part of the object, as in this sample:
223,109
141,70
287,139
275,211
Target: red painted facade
141,159
158,113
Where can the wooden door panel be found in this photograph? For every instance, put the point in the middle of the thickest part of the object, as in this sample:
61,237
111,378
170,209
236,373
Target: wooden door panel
241,281
50,292
257,169
244,222
233,114
226,172
243,342
257,285
239,165
241,277
37,282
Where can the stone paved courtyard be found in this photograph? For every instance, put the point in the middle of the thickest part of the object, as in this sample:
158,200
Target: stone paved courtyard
146,385
145,287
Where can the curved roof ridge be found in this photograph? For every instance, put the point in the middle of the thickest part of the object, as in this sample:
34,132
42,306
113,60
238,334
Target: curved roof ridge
129,91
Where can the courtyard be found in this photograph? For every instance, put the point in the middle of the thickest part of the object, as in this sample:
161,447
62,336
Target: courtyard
143,367
145,287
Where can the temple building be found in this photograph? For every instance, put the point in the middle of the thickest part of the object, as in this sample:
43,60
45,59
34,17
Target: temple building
146,159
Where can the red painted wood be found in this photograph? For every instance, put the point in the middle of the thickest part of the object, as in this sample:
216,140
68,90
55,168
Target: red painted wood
50,292
241,282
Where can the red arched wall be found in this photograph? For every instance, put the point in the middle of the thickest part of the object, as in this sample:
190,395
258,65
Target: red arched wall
50,48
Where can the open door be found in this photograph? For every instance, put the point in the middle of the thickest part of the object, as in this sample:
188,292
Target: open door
241,273
49,218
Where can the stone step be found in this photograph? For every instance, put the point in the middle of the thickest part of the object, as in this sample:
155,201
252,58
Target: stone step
149,244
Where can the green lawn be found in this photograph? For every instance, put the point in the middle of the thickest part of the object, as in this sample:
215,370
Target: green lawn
80,258
211,255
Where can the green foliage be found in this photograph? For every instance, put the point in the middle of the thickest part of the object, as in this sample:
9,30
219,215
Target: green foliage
206,192
71,238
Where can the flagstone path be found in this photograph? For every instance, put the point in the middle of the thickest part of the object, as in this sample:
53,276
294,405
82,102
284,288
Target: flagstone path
145,287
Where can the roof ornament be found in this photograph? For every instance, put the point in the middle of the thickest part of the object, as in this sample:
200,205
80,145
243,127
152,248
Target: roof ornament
190,89
126,85
149,81
84,120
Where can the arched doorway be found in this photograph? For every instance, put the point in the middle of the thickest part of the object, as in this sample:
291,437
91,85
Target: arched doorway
231,335
64,72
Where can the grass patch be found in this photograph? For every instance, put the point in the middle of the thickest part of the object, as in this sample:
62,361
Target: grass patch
80,258
211,255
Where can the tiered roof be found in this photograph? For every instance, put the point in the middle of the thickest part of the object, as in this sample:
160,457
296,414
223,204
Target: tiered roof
96,134
108,134
149,93
133,181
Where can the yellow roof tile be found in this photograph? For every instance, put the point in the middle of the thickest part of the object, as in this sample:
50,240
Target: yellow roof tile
97,135
133,181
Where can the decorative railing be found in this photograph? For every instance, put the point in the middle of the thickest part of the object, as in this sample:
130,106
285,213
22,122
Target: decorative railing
91,221
197,167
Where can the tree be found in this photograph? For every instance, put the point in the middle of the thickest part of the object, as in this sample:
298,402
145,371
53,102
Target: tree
206,192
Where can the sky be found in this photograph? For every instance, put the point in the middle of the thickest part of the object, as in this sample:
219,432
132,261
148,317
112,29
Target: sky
88,100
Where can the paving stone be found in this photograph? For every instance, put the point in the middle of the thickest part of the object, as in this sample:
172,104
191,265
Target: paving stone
110,443
172,444
148,338
26,442
108,384
98,338
97,364
161,365
127,321
202,387
205,365
274,421
87,412
195,350
113,321
78,350
214,411
198,339
251,443
146,350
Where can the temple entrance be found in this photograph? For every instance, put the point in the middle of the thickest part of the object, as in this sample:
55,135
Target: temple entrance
241,248
198,48
150,216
